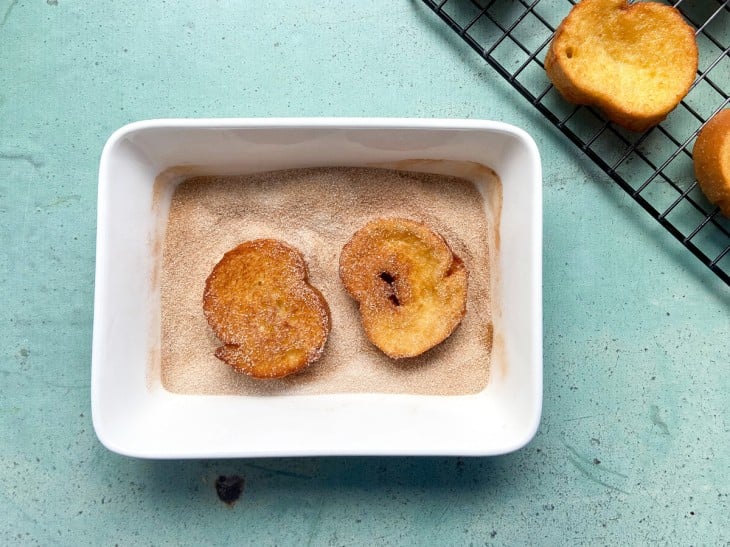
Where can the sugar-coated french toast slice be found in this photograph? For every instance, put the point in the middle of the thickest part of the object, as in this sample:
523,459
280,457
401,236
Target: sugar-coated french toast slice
410,286
711,156
635,62
260,305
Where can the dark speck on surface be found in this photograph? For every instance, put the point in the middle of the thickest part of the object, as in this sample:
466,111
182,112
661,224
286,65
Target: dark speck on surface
52,2
493,534
229,488
596,461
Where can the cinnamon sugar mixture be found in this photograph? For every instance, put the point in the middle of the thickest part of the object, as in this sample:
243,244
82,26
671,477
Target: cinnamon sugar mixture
317,211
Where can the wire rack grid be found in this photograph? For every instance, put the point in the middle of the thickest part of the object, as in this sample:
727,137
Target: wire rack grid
655,168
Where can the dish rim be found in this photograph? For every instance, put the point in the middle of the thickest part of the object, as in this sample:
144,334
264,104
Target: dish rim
347,123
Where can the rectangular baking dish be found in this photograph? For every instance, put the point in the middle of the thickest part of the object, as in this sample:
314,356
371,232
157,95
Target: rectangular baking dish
134,415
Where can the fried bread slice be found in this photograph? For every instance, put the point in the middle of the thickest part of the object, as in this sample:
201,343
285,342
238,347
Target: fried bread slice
635,62
410,286
711,156
260,305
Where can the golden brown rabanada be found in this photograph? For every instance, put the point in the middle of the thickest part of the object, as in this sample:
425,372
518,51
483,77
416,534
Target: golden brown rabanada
635,62
260,305
712,160
410,286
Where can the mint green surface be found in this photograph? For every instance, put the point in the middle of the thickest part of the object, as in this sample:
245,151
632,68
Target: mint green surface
634,445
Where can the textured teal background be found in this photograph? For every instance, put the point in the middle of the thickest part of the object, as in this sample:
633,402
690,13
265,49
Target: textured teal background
635,437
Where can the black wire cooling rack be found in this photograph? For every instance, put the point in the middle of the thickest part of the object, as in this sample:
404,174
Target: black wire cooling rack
655,168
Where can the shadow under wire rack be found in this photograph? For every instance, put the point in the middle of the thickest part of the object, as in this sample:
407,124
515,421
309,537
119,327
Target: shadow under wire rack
655,168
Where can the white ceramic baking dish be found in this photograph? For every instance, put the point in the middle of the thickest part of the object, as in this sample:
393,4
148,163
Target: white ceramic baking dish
132,412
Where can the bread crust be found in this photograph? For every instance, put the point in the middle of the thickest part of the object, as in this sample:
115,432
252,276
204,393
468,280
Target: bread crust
260,305
635,62
711,156
410,286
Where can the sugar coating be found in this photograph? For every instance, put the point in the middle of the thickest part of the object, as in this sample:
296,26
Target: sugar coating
259,304
410,287
317,211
